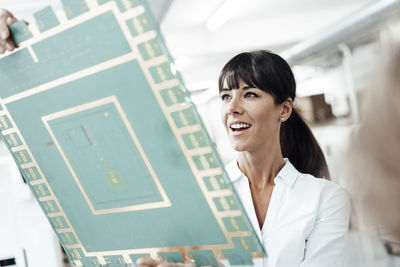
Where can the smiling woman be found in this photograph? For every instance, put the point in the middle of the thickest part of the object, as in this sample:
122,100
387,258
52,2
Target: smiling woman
301,220
268,91
248,115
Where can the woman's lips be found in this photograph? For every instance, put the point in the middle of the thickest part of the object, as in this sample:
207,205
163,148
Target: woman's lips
238,132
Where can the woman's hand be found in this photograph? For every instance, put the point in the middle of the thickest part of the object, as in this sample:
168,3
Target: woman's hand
6,19
149,262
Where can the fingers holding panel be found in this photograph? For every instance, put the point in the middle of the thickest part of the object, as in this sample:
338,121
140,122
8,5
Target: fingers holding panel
6,19
177,264
149,262
146,262
4,32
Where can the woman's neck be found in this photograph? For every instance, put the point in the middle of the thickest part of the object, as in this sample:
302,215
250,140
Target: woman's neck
261,166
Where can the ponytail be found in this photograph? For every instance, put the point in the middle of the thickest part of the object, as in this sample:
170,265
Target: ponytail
300,146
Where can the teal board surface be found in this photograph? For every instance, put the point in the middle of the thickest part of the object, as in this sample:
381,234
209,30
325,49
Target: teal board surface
46,19
104,132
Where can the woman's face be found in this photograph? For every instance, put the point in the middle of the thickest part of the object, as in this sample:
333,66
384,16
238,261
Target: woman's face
250,116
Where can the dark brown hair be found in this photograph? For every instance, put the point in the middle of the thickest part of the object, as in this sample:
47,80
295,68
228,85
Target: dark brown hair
269,72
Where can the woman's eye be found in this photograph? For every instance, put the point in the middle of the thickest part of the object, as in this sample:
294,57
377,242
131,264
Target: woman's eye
224,97
250,95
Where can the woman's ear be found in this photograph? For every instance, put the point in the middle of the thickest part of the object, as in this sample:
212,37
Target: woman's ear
286,109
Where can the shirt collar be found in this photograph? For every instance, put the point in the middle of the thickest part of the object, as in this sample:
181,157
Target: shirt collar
233,171
288,174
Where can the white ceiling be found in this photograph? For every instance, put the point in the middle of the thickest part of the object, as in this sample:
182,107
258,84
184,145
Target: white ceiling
253,24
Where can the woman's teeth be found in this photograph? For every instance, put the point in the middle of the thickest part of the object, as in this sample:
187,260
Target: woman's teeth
240,126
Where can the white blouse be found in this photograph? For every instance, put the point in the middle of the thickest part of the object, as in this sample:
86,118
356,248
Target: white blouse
306,222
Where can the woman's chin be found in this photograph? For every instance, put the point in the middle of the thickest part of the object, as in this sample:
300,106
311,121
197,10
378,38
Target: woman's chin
239,147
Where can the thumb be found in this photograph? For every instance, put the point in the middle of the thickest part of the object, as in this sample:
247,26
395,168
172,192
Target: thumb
11,20
4,32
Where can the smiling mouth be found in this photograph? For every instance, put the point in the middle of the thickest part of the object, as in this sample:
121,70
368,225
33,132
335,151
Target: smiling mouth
237,127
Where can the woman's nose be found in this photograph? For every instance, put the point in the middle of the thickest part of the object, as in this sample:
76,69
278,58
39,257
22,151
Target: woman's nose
235,106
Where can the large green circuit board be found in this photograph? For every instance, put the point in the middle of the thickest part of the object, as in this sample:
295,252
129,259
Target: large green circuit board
105,134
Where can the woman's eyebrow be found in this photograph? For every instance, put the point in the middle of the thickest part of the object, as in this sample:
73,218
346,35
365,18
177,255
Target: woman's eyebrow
247,87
